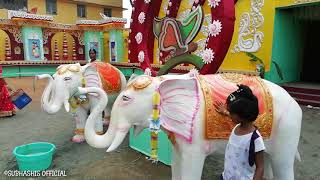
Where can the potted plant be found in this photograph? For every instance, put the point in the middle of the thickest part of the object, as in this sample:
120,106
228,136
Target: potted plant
260,66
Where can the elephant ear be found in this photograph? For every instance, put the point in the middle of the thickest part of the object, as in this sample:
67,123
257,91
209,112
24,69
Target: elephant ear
179,106
91,76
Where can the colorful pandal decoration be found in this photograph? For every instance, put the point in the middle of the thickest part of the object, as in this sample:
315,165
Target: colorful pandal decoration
155,126
7,50
175,37
209,23
56,51
65,47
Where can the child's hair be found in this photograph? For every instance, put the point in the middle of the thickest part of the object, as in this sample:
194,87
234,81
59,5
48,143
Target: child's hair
243,103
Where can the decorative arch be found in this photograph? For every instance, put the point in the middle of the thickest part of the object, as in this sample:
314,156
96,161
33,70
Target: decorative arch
3,36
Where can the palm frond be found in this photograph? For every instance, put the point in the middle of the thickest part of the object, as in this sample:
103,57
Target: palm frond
278,69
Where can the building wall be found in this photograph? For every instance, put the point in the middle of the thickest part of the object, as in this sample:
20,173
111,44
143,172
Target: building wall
286,52
285,3
239,60
67,11
115,3
116,12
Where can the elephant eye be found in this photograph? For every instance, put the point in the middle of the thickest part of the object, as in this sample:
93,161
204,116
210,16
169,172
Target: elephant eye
67,78
125,98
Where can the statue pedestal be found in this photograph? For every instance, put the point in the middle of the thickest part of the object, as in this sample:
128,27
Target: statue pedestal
141,143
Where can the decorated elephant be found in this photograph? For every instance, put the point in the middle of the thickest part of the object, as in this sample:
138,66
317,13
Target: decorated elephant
188,114
62,89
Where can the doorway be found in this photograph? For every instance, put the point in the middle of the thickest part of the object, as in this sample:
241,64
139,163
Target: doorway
296,44
311,53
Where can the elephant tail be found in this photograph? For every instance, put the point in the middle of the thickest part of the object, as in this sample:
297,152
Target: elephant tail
297,156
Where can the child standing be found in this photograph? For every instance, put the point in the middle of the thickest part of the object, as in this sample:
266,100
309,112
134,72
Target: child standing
245,150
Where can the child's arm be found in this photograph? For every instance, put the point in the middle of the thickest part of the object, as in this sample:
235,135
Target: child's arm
221,108
259,161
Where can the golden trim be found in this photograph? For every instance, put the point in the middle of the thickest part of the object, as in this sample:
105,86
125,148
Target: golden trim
140,83
66,68
218,126
100,133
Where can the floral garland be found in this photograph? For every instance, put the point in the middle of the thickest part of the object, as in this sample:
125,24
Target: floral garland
76,101
155,126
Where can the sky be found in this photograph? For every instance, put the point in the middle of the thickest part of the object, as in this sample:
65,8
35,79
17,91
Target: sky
127,13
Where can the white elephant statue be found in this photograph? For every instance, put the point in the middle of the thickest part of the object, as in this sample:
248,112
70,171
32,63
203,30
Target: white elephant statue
183,110
62,89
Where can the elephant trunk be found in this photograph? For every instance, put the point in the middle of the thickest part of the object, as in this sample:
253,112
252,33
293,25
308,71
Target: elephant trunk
120,126
93,139
49,102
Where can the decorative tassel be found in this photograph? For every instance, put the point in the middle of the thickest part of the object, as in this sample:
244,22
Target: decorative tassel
76,101
7,50
56,51
65,47
154,146
83,82
74,52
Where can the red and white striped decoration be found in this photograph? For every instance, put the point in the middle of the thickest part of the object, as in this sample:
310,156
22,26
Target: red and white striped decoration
65,47
56,51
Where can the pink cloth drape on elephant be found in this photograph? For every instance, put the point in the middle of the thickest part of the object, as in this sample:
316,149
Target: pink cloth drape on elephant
180,103
218,87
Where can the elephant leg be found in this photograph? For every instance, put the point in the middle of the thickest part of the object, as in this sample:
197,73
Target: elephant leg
99,124
284,148
282,167
285,142
282,156
106,118
192,165
268,174
98,117
176,164
80,120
